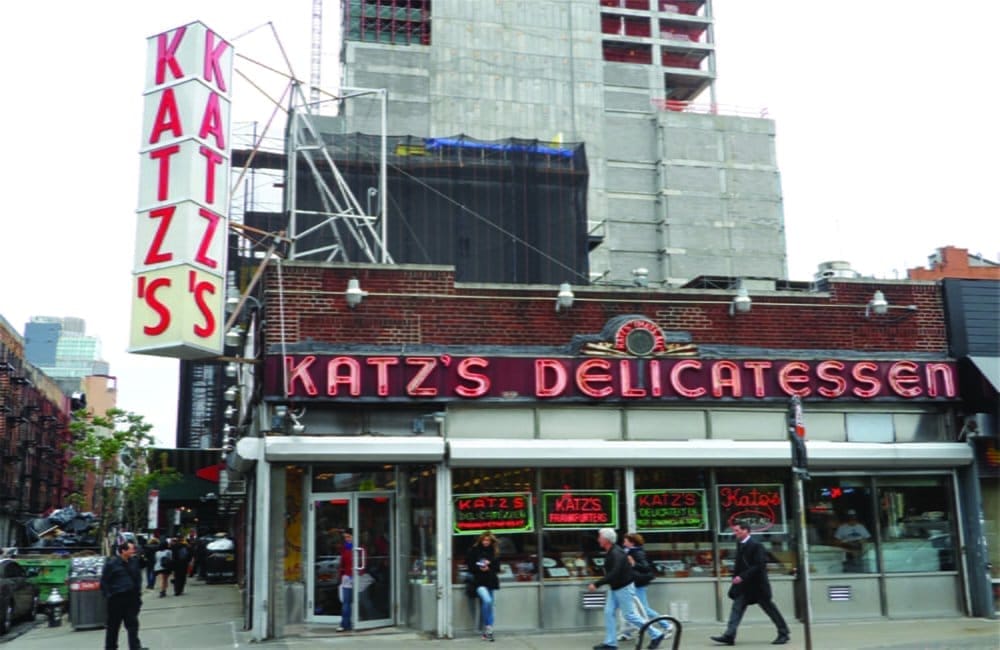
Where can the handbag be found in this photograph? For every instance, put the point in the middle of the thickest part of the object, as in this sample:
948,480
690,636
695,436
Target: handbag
735,591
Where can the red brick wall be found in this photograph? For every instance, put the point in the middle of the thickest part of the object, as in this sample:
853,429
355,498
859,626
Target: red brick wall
421,305
954,264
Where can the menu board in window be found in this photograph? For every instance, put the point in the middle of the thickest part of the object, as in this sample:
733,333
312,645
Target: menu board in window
762,506
670,510
508,512
579,509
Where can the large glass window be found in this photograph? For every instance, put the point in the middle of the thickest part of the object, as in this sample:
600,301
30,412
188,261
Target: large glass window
905,525
761,497
494,500
917,523
672,514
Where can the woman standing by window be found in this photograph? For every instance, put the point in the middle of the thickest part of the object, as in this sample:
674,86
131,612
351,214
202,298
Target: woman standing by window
481,561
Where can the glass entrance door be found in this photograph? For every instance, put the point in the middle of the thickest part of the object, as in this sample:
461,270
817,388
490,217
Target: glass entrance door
369,590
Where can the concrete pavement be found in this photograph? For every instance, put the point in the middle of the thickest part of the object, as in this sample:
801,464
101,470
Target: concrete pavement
208,617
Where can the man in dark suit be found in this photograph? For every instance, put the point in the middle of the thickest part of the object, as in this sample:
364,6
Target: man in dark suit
750,585
121,584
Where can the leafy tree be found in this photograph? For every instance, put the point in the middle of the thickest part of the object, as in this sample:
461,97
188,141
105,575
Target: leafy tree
114,449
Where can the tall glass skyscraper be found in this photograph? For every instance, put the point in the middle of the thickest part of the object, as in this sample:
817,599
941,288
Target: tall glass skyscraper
61,349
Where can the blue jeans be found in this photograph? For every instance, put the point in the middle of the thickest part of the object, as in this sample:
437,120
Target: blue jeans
640,593
622,599
346,596
486,598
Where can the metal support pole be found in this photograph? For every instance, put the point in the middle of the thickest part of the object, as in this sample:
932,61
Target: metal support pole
383,172
804,559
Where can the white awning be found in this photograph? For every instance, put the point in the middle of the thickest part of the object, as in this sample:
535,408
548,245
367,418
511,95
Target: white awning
990,369
354,449
699,453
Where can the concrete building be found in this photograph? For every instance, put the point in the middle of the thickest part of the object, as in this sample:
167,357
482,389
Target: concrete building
678,185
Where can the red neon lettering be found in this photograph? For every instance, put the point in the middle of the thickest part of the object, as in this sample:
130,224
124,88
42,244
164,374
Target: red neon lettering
165,55
787,378
726,374
545,368
829,372
758,368
212,160
168,117
199,289
585,381
625,368
902,373
153,255
415,387
481,383
211,122
163,170
859,375
382,373
206,240
944,371
300,372
147,292
675,378
352,378
655,381
213,55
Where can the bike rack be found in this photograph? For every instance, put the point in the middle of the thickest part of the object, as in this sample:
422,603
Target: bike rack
676,638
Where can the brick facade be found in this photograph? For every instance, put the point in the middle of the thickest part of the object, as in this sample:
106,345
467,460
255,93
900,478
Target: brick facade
423,306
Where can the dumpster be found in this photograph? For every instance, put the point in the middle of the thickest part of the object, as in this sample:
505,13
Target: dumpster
87,606
47,571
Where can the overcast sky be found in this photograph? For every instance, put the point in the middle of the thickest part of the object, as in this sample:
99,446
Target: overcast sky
886,115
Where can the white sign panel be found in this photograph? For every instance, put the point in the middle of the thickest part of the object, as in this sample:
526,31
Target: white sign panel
179,265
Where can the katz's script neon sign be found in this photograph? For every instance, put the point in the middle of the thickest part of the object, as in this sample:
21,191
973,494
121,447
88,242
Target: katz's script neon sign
385,378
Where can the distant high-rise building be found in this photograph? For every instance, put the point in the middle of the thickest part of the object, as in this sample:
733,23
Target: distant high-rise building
61,349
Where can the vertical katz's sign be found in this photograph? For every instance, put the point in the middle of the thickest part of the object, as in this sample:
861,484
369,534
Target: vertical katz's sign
181,222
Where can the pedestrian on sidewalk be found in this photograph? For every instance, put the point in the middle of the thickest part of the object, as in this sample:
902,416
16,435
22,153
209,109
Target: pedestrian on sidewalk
621,592
163,566
121,584
181,558
482,562
346,579
149,554
750,586
643,573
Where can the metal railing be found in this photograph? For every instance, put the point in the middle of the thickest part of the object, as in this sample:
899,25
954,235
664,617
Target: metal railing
675,639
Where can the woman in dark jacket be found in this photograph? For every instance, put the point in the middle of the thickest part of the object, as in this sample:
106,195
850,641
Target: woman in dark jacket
642,574
481,561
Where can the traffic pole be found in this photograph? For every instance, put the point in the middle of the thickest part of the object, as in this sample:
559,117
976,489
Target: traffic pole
800,474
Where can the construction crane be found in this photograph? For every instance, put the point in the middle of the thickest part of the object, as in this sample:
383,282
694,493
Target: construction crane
316,53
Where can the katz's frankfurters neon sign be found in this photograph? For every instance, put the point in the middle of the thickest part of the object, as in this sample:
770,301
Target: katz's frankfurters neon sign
388,378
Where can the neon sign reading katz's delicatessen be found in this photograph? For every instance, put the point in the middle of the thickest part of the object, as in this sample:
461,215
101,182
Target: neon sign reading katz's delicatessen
388,378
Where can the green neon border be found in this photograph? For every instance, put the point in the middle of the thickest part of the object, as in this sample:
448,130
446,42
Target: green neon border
704,510
611,524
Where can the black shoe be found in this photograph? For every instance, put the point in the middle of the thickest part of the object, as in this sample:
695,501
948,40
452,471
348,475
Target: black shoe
605,646
723,639
781,640
655,643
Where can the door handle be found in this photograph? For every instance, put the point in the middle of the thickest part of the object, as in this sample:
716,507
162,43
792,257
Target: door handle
362,558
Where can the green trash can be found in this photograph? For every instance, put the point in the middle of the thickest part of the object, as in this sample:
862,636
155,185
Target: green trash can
50,572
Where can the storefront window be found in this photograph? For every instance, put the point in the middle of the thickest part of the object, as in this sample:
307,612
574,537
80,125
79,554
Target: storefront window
500,501
575,503
917,524
760,497
840,526
419,499
671,513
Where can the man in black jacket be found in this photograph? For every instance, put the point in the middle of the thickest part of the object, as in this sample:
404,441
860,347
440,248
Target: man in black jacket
750,585
618,577
121,584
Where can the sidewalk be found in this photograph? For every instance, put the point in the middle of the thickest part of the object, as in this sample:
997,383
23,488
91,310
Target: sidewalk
208,617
